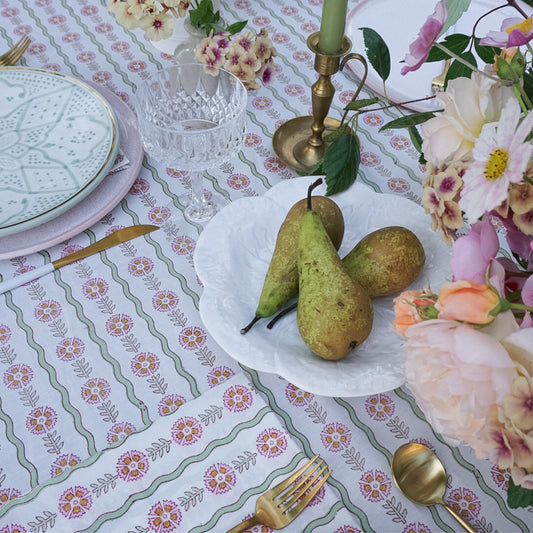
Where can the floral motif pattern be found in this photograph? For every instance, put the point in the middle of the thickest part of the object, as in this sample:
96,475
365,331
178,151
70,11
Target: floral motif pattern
62,463
7,495
47,310
132,465
165,301
347,529
465,503
297,396
335,437
374,485
219,478
187,431
119,325
13,528
417,527
140,266
41,420
170,403
183,245
95,390
119,432
75,502
5,333
95,288
218,375
271,442
237,398
144,364
164,516
18,376
192,337
70,348
379,407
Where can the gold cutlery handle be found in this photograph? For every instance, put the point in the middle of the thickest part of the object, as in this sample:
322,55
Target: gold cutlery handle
464,523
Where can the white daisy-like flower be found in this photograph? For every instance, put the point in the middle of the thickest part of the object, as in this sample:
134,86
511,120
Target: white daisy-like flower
501,156
157,27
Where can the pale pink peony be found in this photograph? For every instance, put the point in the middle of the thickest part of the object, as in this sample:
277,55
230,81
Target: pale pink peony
458,374
419,49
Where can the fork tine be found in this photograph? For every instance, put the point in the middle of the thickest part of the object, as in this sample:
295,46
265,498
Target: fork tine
278,489
307,497
15,53
301,482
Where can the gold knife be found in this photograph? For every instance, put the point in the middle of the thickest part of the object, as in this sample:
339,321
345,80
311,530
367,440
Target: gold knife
122,235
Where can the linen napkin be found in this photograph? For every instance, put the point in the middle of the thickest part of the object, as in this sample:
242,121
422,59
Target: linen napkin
199,469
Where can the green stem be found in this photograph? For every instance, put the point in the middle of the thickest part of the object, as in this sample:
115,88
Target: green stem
519,98
525,97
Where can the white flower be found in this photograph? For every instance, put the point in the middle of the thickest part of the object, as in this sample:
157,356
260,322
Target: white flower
468,104
157,27
501,156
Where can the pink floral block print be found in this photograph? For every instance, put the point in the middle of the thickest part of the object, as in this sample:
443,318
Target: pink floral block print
187,431
219,478
170,403
144,364
41,420
335,437
119,432
297,396
75,502
416,527
218,375
374,485
119,325
7,495
18,376
132,465
95,390
271,442
70,349
348,529
379,407
237,398
164,516
13,528
465,503
62,463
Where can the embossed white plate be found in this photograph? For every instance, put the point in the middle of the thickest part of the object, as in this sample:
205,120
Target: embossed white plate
231,260
58,139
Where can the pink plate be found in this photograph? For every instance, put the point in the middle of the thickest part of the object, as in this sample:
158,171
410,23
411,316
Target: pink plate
99,202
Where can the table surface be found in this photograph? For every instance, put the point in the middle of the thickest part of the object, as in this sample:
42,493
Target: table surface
109,345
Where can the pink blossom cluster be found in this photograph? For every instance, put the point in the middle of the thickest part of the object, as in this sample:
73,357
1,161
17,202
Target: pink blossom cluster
247,55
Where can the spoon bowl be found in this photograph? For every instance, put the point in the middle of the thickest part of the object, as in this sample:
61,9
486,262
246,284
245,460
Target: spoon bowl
419,474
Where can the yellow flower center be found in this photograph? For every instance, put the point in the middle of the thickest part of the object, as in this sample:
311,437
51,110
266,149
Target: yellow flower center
525,26
496,164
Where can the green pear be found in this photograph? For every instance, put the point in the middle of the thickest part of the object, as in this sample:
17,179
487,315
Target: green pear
334,312
281,280
386,261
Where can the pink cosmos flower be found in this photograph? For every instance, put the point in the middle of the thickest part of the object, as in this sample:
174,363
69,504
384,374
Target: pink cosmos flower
501,156
474,252
419,49
514,31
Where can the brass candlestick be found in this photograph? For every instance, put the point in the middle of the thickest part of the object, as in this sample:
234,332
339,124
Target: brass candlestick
298,142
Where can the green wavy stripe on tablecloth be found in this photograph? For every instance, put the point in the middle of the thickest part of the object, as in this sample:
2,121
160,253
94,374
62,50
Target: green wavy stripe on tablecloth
304,441
52,378
57,47
372,439
90,34
153,330
465,464
261,177
91,331
175,474
253,491
19,446
326,519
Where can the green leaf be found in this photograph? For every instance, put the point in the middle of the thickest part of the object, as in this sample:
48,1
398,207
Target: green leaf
377,52
518,496
204,15
341,163
486,53
456,8
528,82
236,27
416,138
458,70
342,130
363,102
456,43
408,121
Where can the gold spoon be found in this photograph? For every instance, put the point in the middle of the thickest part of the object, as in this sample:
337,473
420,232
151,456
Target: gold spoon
419,474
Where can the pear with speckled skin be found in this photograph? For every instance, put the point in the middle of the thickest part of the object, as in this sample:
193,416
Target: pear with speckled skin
281,280
334,312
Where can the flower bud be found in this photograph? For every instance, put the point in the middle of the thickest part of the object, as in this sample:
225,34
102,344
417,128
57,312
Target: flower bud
510,64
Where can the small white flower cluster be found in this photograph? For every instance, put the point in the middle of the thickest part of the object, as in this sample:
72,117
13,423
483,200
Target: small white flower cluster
154,17
247,55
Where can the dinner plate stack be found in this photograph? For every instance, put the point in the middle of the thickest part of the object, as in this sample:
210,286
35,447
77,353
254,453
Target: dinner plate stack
60,137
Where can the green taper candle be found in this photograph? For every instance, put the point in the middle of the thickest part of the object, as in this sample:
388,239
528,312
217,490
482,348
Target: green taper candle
332,26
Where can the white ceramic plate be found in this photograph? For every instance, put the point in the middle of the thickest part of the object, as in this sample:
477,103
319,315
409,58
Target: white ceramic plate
59,139
232,257
398,23
96,204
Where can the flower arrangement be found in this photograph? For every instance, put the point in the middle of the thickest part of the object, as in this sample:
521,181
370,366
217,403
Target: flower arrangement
247,55
470,345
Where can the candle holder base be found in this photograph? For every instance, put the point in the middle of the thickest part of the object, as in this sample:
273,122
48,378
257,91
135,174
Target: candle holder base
290,143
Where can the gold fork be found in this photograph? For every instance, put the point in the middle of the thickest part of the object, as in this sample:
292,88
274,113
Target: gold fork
283,503
437,84
15,53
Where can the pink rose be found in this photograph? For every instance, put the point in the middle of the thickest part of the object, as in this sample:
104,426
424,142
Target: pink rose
457,375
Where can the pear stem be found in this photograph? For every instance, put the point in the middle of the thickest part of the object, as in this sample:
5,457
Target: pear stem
310,190
281,314
247,328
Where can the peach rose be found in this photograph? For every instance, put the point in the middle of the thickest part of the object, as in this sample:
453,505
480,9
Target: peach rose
467,301
409,308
